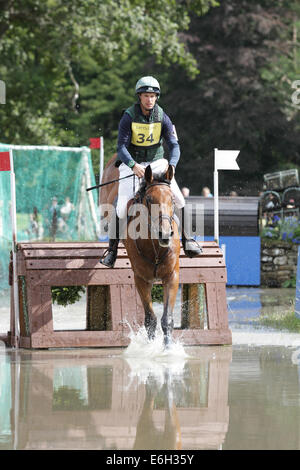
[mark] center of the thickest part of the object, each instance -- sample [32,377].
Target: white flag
[226,159]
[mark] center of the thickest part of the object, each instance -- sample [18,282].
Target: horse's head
[160,202]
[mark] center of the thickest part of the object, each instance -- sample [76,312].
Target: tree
[43,44]
[232,104]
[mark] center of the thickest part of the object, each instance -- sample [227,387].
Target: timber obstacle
[112,298]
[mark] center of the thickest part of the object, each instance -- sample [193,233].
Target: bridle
[152,228]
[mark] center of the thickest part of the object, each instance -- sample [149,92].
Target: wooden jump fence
[112,301]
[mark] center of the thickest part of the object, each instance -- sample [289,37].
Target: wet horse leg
[144,289]
[170,291]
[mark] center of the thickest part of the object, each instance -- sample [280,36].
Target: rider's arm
[124,138]
[171,140]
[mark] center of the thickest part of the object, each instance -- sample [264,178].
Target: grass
[287,321]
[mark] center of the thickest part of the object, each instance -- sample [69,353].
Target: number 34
[142,138]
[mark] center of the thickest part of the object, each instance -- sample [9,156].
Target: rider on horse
[142,129]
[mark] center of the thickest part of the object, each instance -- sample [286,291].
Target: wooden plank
[116,308]
[120,276]
[51,245]
[21,269]
[93,253]
[216,305]
[22,310]
[82,277]
[222,305]
[202,275]
[68,339]
[203,337]
[117,276]
[129,313]
[92,263]
[80,338]
[33,304]
[69,253]
[40,310]
[81,245]
[25,342]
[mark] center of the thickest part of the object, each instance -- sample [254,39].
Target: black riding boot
[109,257]
[190,246]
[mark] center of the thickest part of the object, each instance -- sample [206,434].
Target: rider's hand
[138,170]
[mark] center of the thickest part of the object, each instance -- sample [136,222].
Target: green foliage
[66,295]
[287,229]
[287,321]
[70,69]
[232,103]
[67,399]
[157,293]
[43,44]
[289,283]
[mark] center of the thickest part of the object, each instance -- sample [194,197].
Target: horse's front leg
[170,291]
[144,289]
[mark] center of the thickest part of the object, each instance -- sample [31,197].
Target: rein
[158,260]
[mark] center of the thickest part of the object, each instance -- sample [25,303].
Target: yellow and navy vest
[146,140]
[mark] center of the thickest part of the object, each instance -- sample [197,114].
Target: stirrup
[193,250]
[109,258]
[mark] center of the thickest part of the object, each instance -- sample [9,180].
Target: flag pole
[14,249]
[224,160]
[216,201]
[101,164]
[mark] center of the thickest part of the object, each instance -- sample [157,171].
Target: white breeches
[129,186]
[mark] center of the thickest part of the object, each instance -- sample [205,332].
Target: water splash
[151,360]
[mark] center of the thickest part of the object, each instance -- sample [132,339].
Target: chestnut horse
[156,256]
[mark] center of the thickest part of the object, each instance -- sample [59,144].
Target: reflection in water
[100,399]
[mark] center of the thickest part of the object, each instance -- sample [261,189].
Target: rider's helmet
[147,85]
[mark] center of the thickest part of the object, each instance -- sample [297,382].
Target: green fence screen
[51,198]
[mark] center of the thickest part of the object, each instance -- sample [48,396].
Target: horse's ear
[169,173]
[148,174]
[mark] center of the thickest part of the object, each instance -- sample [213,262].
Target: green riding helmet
[147,85]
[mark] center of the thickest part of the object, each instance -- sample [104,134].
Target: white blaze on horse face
[138,227]
[160,221]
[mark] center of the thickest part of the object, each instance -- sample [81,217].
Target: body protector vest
[146,141]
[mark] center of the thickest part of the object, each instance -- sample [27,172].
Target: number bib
[144,134]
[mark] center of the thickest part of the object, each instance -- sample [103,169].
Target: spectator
[291,204]
[185,192]
[66,209]
[54,215]
[233,194]
[33,229]
[206,192]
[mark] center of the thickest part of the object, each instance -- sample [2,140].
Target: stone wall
[278,262]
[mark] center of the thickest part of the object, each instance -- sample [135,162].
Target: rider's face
[147,101]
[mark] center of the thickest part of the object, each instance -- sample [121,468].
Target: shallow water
[244,396]
[209,398]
